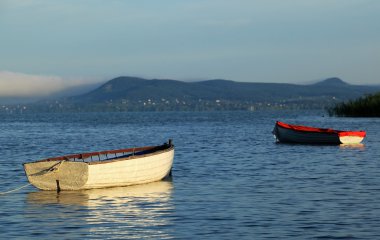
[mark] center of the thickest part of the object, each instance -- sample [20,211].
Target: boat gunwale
[71,157]
[121,158]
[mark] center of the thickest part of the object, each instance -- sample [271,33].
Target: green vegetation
[368,106]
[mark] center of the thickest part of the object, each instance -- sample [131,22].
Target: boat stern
[57,175]
[351,137]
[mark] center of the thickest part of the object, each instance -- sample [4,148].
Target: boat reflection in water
[140,211]
[353,146]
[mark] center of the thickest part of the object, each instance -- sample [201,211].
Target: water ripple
[231,180]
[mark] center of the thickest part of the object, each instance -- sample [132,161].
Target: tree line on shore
[366,106]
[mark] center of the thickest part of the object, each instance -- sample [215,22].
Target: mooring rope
[55,168]
[14,190]
[50,170]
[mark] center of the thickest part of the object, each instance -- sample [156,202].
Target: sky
[52,44]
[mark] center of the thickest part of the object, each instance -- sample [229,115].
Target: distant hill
[131,88]
[138,94]
[332,82]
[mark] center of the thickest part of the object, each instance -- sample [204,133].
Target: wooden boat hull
[59,174]
[288,133]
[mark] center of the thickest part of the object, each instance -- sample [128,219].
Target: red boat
[289,133]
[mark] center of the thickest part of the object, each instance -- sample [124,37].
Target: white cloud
[14,84]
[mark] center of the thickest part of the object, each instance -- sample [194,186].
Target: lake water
[230,179]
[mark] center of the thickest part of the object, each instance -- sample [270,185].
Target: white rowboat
[112,168]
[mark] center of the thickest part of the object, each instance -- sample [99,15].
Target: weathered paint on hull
[67,175]
[44,175]
[130,172]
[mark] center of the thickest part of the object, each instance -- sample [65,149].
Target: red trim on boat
[353,134]
[321,130]
[305,128]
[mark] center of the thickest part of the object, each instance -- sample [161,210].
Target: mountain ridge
[133,88]
[334,81]
[127,93]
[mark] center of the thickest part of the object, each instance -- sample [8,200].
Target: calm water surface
[230,179]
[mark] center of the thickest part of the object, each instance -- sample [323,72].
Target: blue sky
[61,43]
